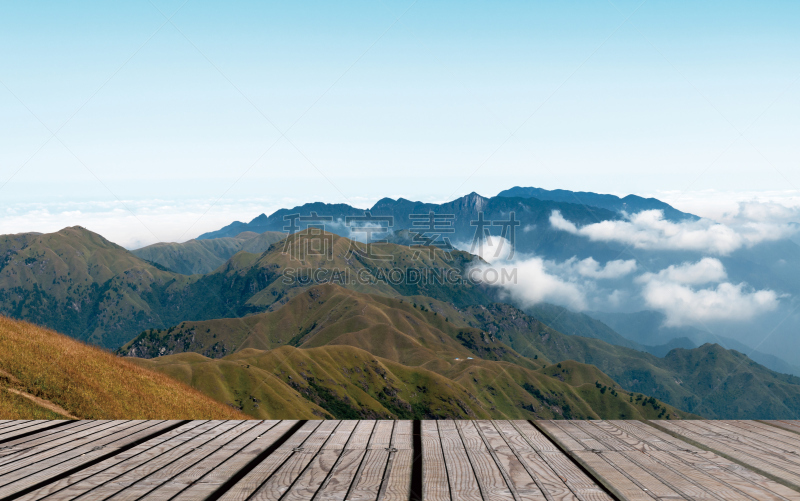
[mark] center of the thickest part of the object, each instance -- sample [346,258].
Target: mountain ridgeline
[423,334]
[314,325]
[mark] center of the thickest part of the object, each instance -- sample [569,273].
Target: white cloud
[727,302]
[704,271]
[670,291]
[535,284]
[132,223]
[649,230]
[611,270]
[491,250]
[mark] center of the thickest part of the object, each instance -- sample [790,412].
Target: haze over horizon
[190,115]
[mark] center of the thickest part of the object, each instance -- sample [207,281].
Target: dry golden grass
[88,382]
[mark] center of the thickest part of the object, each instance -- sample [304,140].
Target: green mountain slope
[79,283]
[349,383]
[46,375]
[205,256]
[709,380]
[398,329]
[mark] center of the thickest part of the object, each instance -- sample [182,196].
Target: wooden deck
[400,460]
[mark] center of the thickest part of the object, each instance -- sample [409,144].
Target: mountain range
[318,324]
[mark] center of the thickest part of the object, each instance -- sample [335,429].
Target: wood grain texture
[374,460]
[435,483]
[463,483]
[283,479]
[80,482]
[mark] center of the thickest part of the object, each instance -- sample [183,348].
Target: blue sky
[261,105]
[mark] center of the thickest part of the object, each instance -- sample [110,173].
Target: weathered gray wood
[16,428]
[78,483]
[266,433]
[288,473]
[22,447]
[398,483]
[52,452]
[169,470]
[435,483]
[373,460]
[241,436]
[256,477]
[85,453]
[761,462]
[487,471]
[367,483]
[463,483]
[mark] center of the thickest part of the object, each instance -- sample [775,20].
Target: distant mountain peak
[628,204]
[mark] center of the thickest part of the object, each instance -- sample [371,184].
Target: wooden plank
[619,435]
[16,428]
[784,425]
[773,432]
[132,483]
[267,433]
[168,469]
[563,438]
[463,483]
[723,467]
[382,435]
[611,441]
[76,484]
[89,451]
[16,425]
[698,476]
[288,473]
[774,439]
[576,433]
[16,443]
[24,447]
[360,436]
[115,467]
[314,475]
[622,484]
[258,475]
[667,476]
[550,484]
[487,471]
[435,484]
[767,466]
[403,435]
[341,435]
[522,483]
[715,479]
[319,474]
[582,485]
[653,438]
[52,451]
[341,477]
[398,484]
[368,478]
[536,438]
[366,485]
[247,433]
[753,440]
[744,443]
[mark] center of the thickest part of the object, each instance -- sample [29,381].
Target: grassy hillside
[205,256]
[411,336]
[422,332]
[45,375]
[346,382]
[398,329]
[78,283]
[709,380]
